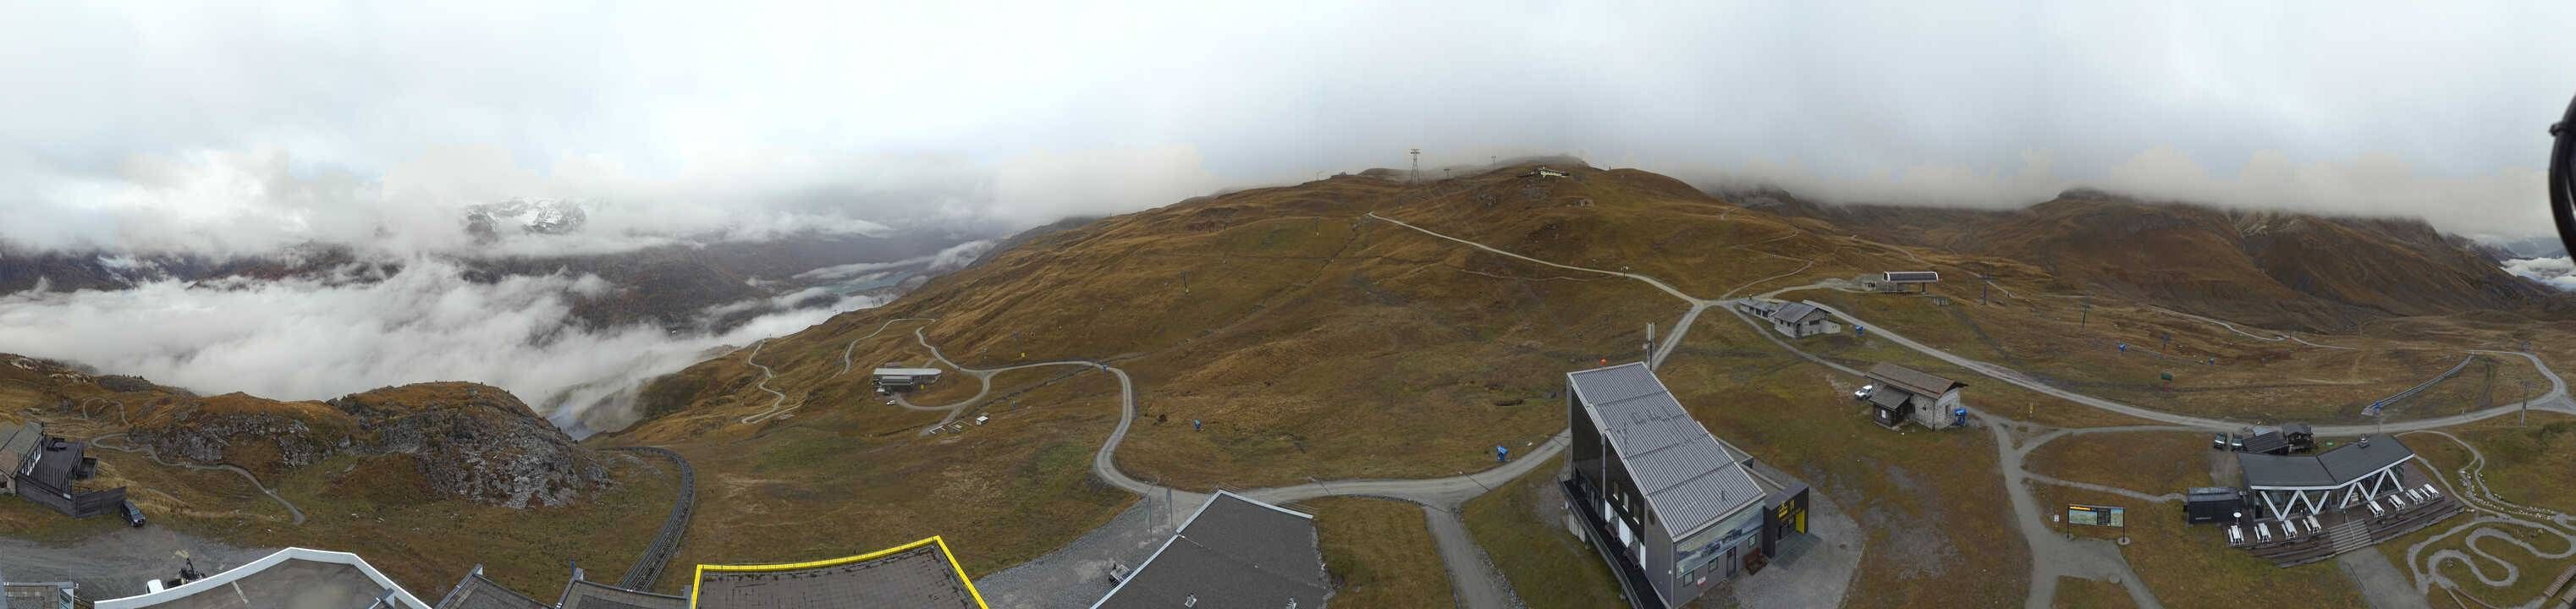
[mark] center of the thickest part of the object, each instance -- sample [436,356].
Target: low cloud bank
[255,202]
[319,338]
[2557,272]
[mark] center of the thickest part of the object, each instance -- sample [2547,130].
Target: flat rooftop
[920,574]
[582,594]
[54,467]
[1233,552]
[293,578]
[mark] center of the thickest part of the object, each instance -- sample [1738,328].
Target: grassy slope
[2526,465]
[2078,593]
[2269,381]
[1799,417]
[1379,553]
[844,478]
[1522,526]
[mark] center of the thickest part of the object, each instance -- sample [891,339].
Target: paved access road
[2554,401]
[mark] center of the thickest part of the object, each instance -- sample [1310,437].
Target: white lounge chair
[2235,536]
[2289,529]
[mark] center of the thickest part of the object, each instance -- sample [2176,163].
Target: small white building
[1898,394]
[1801,320]
[1543,172]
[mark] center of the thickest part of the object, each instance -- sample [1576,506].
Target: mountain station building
[1675,511]
[2287,486]
[904,379]
[1898,394]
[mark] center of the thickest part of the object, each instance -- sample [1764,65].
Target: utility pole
[1417,164]
[2526,405]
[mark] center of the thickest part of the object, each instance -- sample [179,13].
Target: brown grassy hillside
[1312,340]
[2267,268]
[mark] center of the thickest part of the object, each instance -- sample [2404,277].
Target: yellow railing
[695,584]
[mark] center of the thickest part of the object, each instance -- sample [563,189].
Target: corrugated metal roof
[2352,461]
[1689,477]
[2263,471]
[1912,381]
[2334,468]
[1795,312]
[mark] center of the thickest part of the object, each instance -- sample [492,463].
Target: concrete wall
[1938,416]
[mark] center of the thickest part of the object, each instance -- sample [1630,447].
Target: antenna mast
[1417,164]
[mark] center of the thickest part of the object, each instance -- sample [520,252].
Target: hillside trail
[296,514]
[2500,521]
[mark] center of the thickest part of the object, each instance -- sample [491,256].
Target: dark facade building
[2213,504]
[42,469]
[1674,510]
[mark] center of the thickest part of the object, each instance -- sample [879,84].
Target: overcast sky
[243,126]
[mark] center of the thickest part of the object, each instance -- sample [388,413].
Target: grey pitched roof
[1913,381]
[1689,478]
[1890,400]
[1795,312]
[2263,470]
[476,592]
[1235,552]
[582,594]
[2266,442]
[2358,459]
[2334,468]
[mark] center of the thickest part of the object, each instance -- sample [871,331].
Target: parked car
[1863,393]
[133,515]
[2218,441]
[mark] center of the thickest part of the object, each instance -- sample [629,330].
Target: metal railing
[649,567]
[2373,409]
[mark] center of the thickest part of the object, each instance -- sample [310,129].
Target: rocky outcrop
[469,441]
[477,442]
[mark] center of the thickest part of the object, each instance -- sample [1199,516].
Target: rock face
[469,441]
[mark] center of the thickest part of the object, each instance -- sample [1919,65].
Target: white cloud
[233,126]
[2557,272]
[315,339]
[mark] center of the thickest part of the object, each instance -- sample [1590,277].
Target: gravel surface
[115,564]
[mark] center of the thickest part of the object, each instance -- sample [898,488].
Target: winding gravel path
[2495,517]
[775,410]
[245,474]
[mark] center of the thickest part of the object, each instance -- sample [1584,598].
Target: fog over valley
[301,200]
